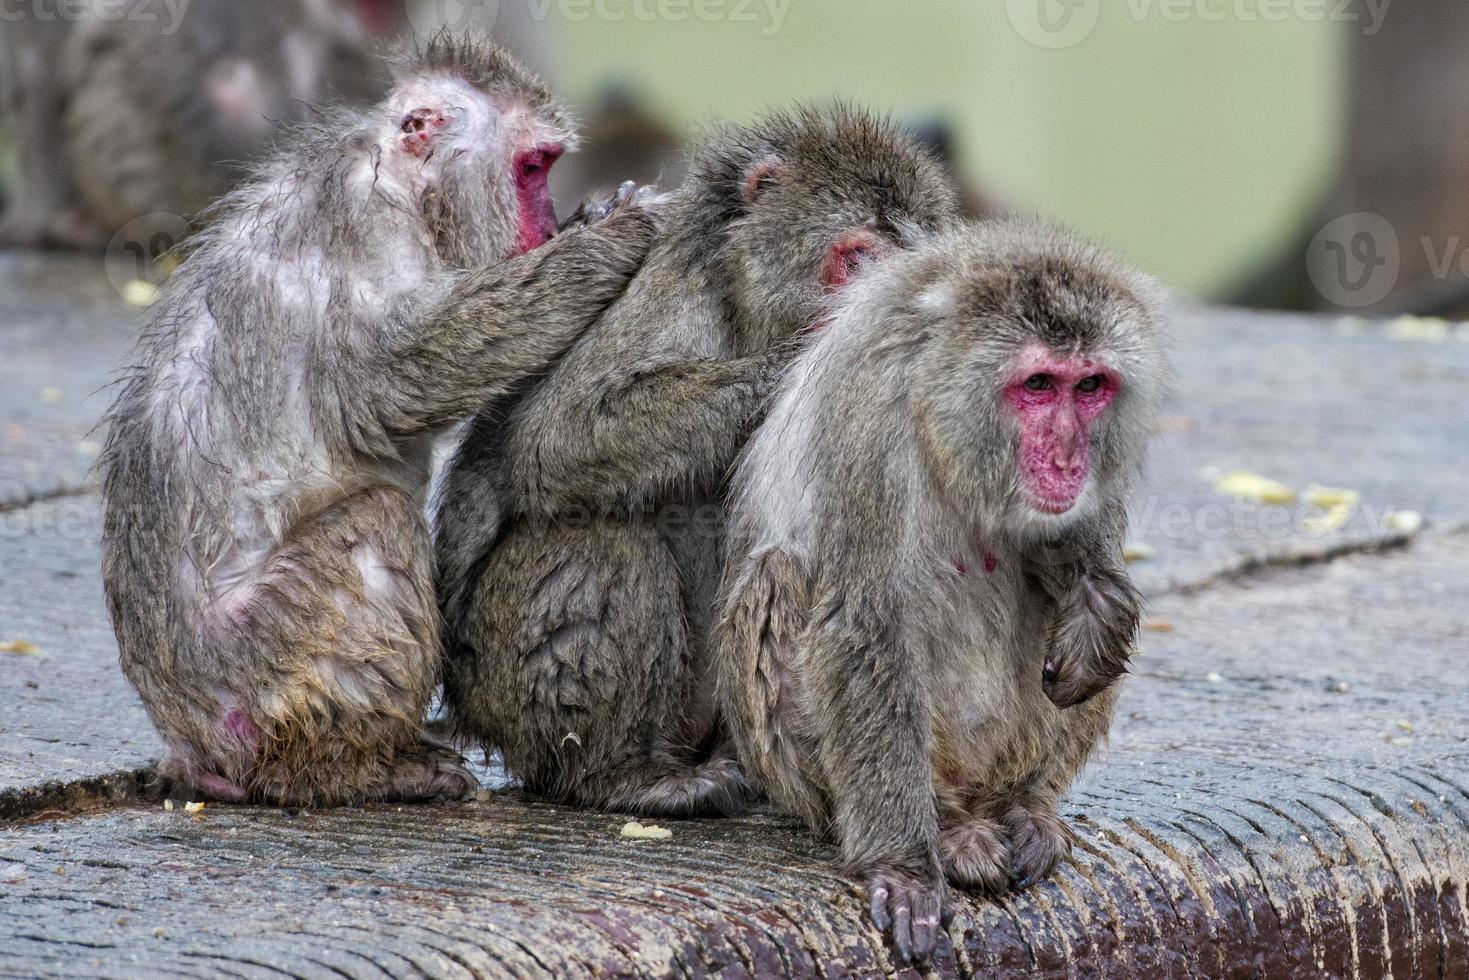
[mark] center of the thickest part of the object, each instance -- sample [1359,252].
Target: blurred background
[1290,154]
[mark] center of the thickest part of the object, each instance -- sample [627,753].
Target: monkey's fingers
[589,213]
[912,914]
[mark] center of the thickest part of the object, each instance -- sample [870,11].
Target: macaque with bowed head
[580,530]
[924,604]
[266,562]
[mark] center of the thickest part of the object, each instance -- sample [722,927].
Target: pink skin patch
[845,257]
[533,194]
[420,129]
[240,728]
[843,260]
[220,788]
[1056,398]
[990,564]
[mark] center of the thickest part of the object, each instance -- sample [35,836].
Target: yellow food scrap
[636,831]
[1420,328]
[1158,626]
[1253,486]
[21,647]
[193,807]
[1329,497]
[1332,519]
[140,292]
[1137,552]
[1406,521]
[168,806]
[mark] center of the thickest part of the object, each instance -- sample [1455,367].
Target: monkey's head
[1038,378]
[471,135]
[800,201]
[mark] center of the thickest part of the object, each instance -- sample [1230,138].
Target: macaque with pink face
[265,556]
[925,603]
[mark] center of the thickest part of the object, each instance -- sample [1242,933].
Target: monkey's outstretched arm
[875,752]
[497,326]
[628,434]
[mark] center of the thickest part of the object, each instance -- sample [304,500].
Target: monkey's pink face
[1056,400]
[536,218]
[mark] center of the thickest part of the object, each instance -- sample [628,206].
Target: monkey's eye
[1038,382]
[1089,385]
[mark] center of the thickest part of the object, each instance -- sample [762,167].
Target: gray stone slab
[68,713]
[63,332]
[1301,401]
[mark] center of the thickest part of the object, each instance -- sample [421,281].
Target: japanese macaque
[266,562]
[579,534]
[925,562]
[115,117]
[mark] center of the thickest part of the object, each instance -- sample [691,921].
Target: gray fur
[266,564]
[579,536]
[881,679]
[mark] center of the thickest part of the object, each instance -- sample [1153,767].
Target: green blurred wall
[1193,147]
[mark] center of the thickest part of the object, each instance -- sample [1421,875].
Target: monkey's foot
[913,912]
[1038,842]
[975,856]
[717,787]
[431,772]
[219,788]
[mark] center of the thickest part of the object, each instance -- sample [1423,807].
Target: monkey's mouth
[1051,505]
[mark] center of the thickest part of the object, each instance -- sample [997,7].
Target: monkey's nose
[1050,672]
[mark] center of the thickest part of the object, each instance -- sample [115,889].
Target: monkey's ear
[762,175]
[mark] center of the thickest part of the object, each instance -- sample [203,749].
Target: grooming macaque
[924,546]
[267,566]
[114,117]
[579,533]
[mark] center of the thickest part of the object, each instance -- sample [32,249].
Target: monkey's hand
[501,324]
[596,210]
[911,909]
[1090,639]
